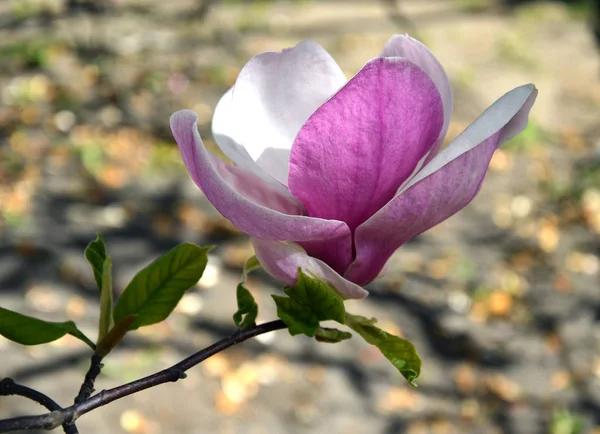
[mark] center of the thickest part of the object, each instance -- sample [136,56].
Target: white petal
[227,138]
[273,96]
[225,133]
[276,162]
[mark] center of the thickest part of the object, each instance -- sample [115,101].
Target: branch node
[177,374]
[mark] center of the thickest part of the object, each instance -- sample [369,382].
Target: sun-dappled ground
[502,300]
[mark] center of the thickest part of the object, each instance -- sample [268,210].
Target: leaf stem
[60,416]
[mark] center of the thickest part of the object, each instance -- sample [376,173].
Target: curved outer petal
[251,204]
[447,184]
[272,98]
[282,260]
[354,152]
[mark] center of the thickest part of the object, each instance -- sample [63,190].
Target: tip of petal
[184,116]
[402,36]
[526,88]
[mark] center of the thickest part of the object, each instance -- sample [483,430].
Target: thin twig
[176,372]
[9,387]
[87,388]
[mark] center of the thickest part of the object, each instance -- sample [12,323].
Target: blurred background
[502,300]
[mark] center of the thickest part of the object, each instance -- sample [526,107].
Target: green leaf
[115,335]
[101,264]
[250,265]
[331,336]
[155,291]
[27,330]
[321,298]
[95,253]
[245,317]
[310,301]
[399,351]
[299,318]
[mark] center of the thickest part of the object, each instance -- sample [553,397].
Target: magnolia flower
[332,176]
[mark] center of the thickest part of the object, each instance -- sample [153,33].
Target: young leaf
[323,300]
[249,266]
[331,336]
[115,335]
[27,330]
[245,317]
[155,291]
[400,352]
[95,253]
[299,318]
[106,301]
[101,264]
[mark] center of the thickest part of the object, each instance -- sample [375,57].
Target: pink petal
[355,151]
[282,260]
[446,185]
[272,98]
[337,253]
[250,203]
